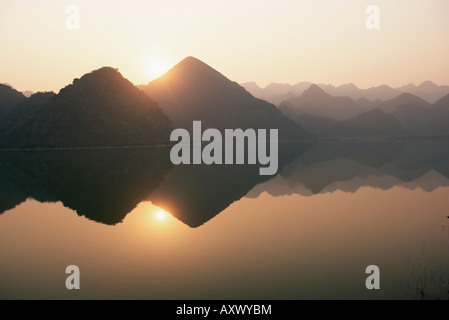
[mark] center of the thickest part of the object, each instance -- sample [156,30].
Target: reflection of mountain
[349,165]
[197,193]
[105,185]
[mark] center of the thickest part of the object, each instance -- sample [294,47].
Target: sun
[156,67]
[161,215]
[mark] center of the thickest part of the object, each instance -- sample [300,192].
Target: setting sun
[161,215]
[156,67]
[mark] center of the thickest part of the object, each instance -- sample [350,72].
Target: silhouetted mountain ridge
[9,98]
[102,108]
[26,110]
[192,90]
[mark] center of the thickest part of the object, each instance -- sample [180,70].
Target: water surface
[139,227]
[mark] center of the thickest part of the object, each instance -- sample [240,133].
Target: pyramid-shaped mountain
[102,108]
[192,90]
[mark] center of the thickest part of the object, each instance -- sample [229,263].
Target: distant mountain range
[373,123]
[404,115]
[315,101]
[102,108]
[278,92]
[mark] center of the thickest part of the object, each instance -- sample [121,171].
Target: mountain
[316,102]
[9,98]
[26,110]
[418,116]
[428,90]
[442,105]
[274,93]
[28,93]
[254,89]
[102,108]
[440,116]
[368,104]
[192,90]
[404,99]
[405,114]
[373,123]
[382,92]
[347,90]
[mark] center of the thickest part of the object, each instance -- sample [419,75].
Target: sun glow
[161,215]
[156,67]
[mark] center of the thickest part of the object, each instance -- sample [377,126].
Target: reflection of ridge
[11,195]
[105,185]
[196,193]
[347,166]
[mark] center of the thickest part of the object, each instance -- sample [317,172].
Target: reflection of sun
[156,67]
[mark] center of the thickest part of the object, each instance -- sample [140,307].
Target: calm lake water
[141,228]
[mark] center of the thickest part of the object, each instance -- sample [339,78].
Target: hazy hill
[419,117]
[404,99]
[440,116]
[374,123]
[405,114]
[366,104]
[102,108]
[192,90]
[427,90]
[314,101]
[9,98]
[441,105]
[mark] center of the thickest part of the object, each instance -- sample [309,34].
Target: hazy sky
[323,41]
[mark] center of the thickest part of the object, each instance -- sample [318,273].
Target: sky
[286,41]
